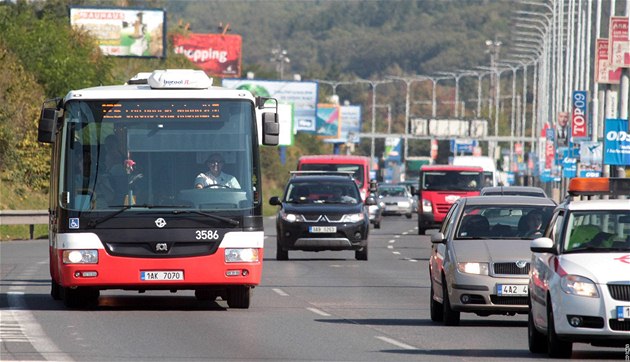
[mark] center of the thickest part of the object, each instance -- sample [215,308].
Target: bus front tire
[239,297]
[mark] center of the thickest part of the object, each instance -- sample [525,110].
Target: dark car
[322,211]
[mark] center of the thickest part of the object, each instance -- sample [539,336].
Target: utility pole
[373,84]
[408,81]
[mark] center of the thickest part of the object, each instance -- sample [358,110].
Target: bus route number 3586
[206,234]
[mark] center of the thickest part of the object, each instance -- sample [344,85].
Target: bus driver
[215,175]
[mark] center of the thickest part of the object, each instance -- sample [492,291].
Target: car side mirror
[438,238]
[542,245]
[275,201]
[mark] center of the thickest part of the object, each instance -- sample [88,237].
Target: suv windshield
[322,191]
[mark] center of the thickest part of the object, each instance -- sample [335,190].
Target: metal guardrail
[24,217]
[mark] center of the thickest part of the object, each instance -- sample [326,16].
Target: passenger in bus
[215,175]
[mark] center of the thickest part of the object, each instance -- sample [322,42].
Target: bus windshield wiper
[124,208]
[215,217]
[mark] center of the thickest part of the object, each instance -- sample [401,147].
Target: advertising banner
[604,73]
[616,142]
[327,120]
[393,149]
[303,96]
[217,54]
[619,46]
[350,123]
[579,124]
[285,121]
[562,129]
[123,32]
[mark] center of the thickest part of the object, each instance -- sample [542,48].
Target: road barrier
[24,217]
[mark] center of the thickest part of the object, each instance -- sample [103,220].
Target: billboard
[303,96]
[447,128]
[579,123]
[604,73]
[619,45]
[218,55]
[350,120]
[616,142]
[123,32]
[327,120]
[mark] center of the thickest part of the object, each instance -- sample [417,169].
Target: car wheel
[436,308]
[555,347]
[408,216]
[239,297]
[377,225]
[361,254]
[281,254]
[536,340]
[450,317]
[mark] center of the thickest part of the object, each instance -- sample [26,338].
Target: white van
[487,163]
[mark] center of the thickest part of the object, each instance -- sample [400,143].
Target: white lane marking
[32,330]
[396,343]
[320,312]
[396,252]
[390,246]
[413,260]
[397,236]
[405,233]
[280,292]
[391,241]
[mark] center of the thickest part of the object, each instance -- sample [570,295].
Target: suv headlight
[473,268]
[291,217]
[352,217]
[578,285]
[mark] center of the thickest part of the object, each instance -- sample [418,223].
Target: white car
[579,285]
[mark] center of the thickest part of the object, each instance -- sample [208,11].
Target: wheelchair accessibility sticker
[74,223]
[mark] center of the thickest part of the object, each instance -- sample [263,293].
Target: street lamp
[389,116]
[280,56]
[333,84]
[457,77]
[408,81]
[373,84]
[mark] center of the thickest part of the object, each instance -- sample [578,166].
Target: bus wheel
[80,297]
[55,290]
[239,297]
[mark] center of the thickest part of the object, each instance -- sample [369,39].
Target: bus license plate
[623,312]
[162,275]
[512,289]
[322,229]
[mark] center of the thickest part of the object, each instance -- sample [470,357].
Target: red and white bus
[124,209]
[358,165]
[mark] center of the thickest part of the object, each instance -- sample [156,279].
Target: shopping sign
[616,142]
[218,55]
[579,126]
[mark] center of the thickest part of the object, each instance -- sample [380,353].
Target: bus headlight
[80,256]
[247,255]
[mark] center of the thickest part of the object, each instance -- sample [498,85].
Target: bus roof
[450,168]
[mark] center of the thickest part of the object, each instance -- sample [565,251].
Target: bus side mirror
[271,129]
[47,125]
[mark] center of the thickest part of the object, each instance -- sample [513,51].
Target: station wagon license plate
[162,275]
[512,289]
[322,229]
[623,312]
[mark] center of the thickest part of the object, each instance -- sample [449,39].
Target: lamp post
[434,80]
[373,84]
[408,81]
[333,84]
[280,56]
[457,77]
[389,116]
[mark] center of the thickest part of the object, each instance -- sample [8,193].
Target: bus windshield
[451,181]
[357,170]
[180,153]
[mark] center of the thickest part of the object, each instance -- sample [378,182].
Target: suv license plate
[322,229]
[512,289]
[623,312]
[162,275]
